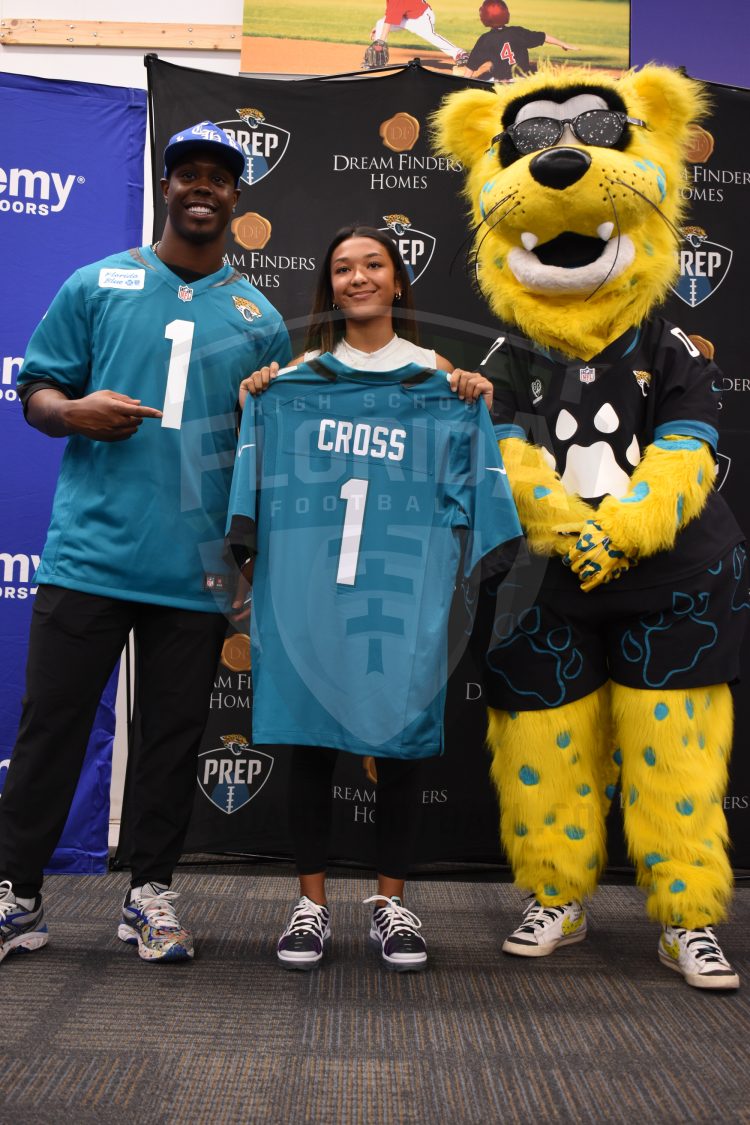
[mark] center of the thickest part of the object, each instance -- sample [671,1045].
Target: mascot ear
[466,123]
[667,100]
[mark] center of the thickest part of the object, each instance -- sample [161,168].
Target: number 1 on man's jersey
[180,332]
[354,491]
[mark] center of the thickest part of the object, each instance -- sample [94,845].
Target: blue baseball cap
[210,137]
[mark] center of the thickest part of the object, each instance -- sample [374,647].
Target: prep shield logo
[232,774]
[703,266]
[262,143]
[416,247]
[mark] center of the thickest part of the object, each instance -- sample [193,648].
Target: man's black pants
[74,644]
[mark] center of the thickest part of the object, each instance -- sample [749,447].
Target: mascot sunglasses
[602,127]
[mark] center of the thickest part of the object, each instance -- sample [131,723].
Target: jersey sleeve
[482,495]
[275,346]
[688,397]
[532,38]
[481,52]
[59,351]
[395,11]
[241,531]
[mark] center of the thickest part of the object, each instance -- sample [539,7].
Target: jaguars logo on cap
[247,309]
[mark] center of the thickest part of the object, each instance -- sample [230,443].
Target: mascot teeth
[605,231]
[529,240]
[617,255]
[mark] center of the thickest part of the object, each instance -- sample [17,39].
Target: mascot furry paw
[619,661]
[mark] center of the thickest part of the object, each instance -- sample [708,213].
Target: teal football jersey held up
[143,519]
[368,497]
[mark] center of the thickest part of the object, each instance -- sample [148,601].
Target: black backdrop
[329,152]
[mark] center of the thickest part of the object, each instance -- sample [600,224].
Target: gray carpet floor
[599,1032]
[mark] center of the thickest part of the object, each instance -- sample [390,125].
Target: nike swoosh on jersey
[251,445]
[493,469]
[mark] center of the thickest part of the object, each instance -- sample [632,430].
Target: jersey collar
[412,374]
[175,281]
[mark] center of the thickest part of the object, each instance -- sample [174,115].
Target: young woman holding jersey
[363,294]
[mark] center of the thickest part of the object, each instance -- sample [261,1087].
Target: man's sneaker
[461,59]
[149,919]
[21,930]
[302,943]
[544,928]
[394,932]
[698,956]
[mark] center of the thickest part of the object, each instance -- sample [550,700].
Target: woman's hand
[469,385]
[258,382]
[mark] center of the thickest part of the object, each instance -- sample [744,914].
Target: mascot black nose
[559,167]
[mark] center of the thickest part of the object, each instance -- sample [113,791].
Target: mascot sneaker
[302,943]
[698,956]
[544,928]
[394,932]
[149,920]
[21,930]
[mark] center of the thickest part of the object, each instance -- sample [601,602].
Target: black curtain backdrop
[325,153]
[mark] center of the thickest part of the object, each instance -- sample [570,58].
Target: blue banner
[71,191]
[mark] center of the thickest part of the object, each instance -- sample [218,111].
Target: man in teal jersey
[138,364]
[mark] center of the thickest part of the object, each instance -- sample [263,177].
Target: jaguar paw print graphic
[599,455]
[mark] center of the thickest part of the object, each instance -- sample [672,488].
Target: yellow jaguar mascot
[613,654]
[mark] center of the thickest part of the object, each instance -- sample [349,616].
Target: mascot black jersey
[595,418]
[143,519]
[367,496]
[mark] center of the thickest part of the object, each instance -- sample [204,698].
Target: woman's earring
[397,296]
[334,305]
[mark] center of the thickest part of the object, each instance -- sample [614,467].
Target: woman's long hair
[327,325]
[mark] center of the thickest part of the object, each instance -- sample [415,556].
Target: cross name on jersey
[362,439]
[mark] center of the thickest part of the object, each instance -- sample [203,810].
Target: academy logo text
[17,575]
[24,192]
[10,365]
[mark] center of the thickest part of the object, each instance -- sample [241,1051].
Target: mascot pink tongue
[606,418]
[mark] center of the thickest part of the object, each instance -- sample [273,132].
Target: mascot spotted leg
[620,656]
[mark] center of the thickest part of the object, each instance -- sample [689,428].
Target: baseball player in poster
[417,17]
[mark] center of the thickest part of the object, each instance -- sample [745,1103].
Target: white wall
[117,67]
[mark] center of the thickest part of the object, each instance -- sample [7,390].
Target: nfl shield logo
[185,293]
[587,374]
[232,774]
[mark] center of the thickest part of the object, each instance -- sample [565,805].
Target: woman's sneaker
[698,956]
[149,920]
[545,928]
[21,930]
[302,943]
[394,931]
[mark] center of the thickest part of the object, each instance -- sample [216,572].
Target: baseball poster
[493,41]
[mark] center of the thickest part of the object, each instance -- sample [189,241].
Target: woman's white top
[396,353]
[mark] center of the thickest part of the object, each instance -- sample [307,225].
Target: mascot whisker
[618,666]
